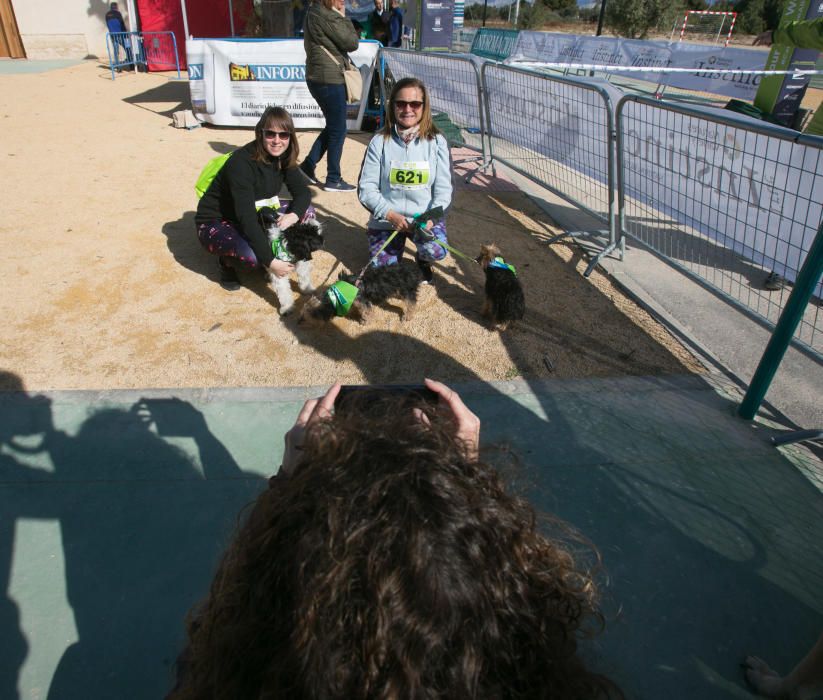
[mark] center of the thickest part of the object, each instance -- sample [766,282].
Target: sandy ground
[105,285]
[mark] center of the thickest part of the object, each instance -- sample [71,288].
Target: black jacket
[239,184]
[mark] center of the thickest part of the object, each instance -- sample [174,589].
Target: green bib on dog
[342,296]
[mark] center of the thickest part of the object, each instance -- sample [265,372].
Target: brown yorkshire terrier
[504,302]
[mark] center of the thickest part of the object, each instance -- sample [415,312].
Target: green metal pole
[784,330]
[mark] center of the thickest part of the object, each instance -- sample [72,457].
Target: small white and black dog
[294,245]
[378,284]
[505,302]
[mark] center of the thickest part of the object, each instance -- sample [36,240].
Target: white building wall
[64,28]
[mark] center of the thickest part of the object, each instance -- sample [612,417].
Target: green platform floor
[114,509]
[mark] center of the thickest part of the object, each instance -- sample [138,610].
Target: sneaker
[340,186]
[228,276]
[426,269]
[308,171]
[774,282]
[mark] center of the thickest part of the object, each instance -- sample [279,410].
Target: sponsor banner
[781,95]
[459,13]
[496,44]
[232,81]
[732,185]
[436,24]
[715,68]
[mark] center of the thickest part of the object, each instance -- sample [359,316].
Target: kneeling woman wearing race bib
[406,172]
[227,223]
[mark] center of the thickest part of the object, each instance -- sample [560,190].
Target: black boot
[228,275]
[426,269]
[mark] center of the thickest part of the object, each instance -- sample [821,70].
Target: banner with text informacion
[232,81]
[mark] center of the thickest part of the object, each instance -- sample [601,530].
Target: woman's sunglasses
[269,134]
[414,104]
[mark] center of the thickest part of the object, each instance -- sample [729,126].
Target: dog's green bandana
[280,251]
[503,265]
[342,296]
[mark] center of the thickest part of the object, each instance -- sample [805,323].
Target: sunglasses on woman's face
[282,135]
[414,104]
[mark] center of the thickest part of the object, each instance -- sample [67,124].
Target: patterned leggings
[222,238]
[428,247]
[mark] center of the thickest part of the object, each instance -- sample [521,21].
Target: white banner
[716,70]
[232,81]
[758,195]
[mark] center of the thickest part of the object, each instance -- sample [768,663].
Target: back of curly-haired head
[391,566]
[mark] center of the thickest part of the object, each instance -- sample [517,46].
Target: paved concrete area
[115,506]
[12,66]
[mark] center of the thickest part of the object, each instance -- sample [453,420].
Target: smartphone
[363,392]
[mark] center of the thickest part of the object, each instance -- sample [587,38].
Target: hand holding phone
[313,410]
[466,423]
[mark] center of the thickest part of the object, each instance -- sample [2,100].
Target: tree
[561,7]
[532,16]
[750,16]
[634,18]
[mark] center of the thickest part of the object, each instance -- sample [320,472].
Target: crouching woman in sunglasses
[252,177]
[406,172]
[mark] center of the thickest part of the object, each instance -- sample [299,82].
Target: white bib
[412,175]
[273,202]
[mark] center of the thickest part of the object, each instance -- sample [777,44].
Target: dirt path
[105,285]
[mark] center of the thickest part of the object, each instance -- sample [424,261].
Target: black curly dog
[377,285]
[505,302]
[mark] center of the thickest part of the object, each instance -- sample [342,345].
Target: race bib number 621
[409,175]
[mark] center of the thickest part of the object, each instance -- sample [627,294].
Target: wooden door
[10,44]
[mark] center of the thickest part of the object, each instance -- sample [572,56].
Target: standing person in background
[328,37]
[298,9]
[395,24]
[379,18]
[117,25]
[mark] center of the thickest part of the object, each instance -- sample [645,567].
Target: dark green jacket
[326,28]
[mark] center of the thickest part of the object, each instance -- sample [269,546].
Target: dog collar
[342,295]
[503,265]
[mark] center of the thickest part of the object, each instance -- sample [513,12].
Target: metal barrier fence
[453,84]
[734,204]
[558,132]
[157,50]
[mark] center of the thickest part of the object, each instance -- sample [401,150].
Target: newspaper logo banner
[241,77]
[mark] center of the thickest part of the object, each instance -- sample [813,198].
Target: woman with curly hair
[387,561]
